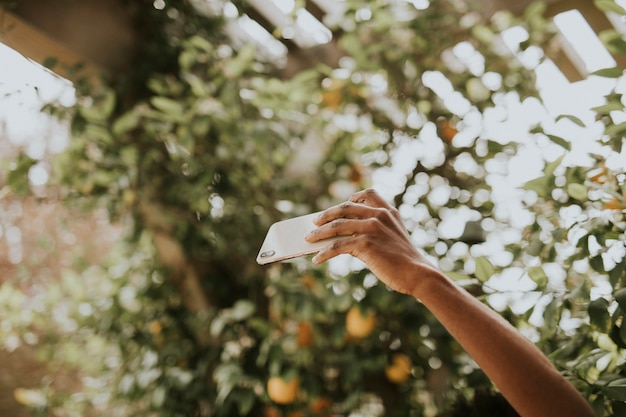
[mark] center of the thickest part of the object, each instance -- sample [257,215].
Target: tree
[194,152]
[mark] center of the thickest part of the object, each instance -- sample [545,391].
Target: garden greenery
[203,145]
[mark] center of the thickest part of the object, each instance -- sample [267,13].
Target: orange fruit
[400,368]
[272,412]
[155,327]
[320,406]
[447,131]
[282,391]
[332,99]
[332,94]
[359,325]
[305,334]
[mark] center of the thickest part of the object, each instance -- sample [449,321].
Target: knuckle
[387,215]
[356,195]
[373,221]
[369,192]
[381,215]
[336,245]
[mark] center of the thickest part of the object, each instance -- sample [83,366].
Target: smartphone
[285,240]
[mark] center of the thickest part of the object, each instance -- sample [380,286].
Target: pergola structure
[100,34]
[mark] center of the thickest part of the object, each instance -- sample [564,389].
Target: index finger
[346,210]
[361,205]
[371,198]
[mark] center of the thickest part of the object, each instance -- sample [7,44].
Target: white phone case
[285,240]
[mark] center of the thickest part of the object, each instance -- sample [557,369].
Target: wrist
[427,279]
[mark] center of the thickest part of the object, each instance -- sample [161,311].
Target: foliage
[195,150]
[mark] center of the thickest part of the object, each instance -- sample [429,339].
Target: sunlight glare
[584,41]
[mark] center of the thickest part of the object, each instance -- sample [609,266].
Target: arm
[376,235]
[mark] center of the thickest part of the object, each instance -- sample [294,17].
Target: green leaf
[201,44]
[619,408]
[92,114]
[457,276]
[551,314]
[98,133]
[609,107]
[597,263]
[598,405]
[577,191]
[125,123]
[536,9]
[17,176]
[539,185]
[571,118]
[620,297]
[552,166]
[615,389]
[542,184]
[615,72]
[245,401]
[618,333]
[538,275]
[483,33]
[560,141]
[616,130]
[235,67]
[243,309]
[613,41]
[622,333]
[599,315]
[226,372]
[168,106]
[617,273]
[484,268]
[198,86]
[610,6]
[108,104]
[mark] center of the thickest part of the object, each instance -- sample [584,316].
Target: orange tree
[202,146]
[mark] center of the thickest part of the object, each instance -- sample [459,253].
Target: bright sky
[24,87]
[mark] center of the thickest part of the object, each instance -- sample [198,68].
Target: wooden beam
[26,39]
[596,18]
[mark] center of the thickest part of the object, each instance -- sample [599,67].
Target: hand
[374,233]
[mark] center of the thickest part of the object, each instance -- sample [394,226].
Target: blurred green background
[130,219]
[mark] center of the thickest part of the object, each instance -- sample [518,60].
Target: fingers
[359,206]
[369,197]
[339,227]
[364,216]
[347,210]
[337,247]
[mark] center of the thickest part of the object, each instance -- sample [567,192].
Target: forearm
[519,370]
[374,232]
